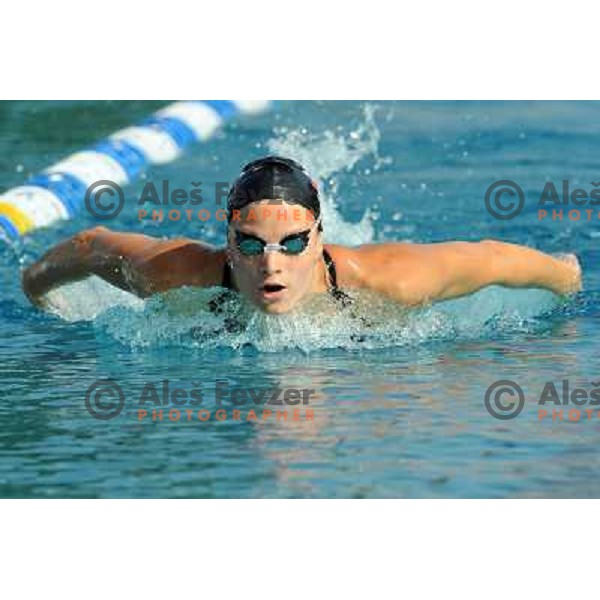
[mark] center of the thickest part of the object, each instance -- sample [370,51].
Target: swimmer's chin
[284,307]
[275,308]
[281,306]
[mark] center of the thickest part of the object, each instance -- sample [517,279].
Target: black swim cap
[274,178]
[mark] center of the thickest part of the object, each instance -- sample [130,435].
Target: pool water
[397,406]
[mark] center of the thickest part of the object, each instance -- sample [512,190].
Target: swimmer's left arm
[420,273]
[491,262]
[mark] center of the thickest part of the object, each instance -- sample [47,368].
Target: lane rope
[57,193]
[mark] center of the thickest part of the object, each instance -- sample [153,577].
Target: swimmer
[275,256]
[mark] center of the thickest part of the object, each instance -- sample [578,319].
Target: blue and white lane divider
[58,192]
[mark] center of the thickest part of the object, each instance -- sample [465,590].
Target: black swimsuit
[334,290]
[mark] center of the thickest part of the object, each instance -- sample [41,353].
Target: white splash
[84,300]
[326,155]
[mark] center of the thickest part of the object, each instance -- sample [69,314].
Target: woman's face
[273,281]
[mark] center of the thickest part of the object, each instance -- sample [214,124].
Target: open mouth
[271,288]
[272,291]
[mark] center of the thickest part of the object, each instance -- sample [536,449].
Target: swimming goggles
[294,244]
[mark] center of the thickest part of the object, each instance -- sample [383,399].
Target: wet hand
[572,272]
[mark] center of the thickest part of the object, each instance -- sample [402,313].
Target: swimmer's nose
[271,263]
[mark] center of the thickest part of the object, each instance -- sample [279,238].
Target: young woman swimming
[275,256]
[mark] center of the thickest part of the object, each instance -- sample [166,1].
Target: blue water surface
[398,407]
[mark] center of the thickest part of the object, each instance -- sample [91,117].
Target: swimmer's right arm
[136,263]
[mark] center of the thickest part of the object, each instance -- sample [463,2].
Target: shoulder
[176,262]
[359,266]
[191,262]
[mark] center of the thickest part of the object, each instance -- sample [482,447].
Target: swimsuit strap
[216,304]
[330,269]
[334,289]
[226,282]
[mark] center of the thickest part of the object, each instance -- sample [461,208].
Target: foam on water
[182,317]
[86,299]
